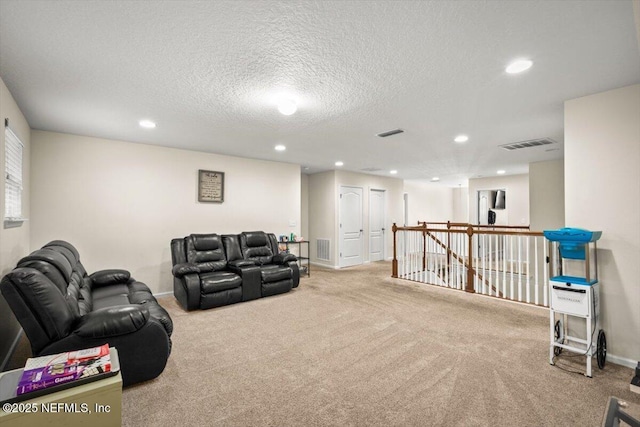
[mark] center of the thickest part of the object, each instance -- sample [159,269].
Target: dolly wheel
[601,351]
[557,336]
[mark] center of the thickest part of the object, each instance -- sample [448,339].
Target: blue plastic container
[572,241]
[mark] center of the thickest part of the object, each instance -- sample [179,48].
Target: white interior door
[376,225]
[483,208]
[351,233]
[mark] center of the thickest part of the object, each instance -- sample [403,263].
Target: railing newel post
[470,260]
[394,263]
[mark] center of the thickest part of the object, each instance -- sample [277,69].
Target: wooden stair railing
[466,263]
[469,230]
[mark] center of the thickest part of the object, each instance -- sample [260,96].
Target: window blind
[13,175]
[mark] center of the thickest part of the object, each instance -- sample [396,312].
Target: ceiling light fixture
[461,138]
[435,179]
[501,172]
[287,106]
[280,147]
[518,66]
[148,124]
[339,163]
[393,172]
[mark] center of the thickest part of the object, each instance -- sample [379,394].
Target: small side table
[621,412]
[303,261]
[98,404]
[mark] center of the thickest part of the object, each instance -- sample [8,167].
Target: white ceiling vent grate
[528,144]
[389,133]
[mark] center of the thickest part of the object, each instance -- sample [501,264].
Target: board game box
[53,370]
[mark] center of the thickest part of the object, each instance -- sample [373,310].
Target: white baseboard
[12,349]
[162,294]
[622,361]
[335,267]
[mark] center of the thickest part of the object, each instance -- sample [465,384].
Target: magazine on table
[56,369]
[9,380]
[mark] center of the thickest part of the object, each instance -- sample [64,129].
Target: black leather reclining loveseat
[212,270]
[61,308]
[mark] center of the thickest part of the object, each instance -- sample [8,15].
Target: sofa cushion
[50,263]
[218,299]
[275,288]
[110,296]
[205,242]
[256,238]
[275,273]
[217,281]
[206,252]
[256,247]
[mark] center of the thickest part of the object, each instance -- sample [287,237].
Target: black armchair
[201,278]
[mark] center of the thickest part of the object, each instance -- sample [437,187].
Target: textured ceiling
[208,72]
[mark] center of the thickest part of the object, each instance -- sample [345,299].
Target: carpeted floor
[354,347]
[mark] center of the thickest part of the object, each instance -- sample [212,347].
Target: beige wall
[304,206]
[324,189]
[602,192]
[14,242]
[460,205]
[393,200]
[322,214]
[546,195]
[121,203]
[428,202]
[517,190]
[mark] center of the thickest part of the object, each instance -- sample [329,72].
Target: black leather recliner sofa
[62,308]
[212,270]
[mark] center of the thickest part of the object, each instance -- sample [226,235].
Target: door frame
[384,222]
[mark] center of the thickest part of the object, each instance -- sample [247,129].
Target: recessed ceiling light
[393,172]
[461,138]
[339,163]
[435,179]
[287,106]
[147,124]
[501,172]
[280,147]
[519,66]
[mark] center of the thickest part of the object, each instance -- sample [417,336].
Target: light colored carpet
[355,347]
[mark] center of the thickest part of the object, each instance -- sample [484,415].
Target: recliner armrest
[110,277]
[112,321]
[284,257]
[180,270]
[239,263]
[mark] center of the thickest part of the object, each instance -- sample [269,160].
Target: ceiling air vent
[371,170]
[389,133]
[528,144]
